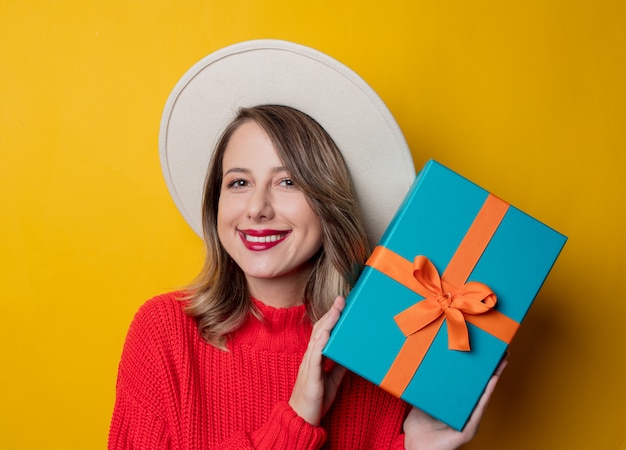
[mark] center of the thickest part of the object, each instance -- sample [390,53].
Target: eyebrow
[277,169]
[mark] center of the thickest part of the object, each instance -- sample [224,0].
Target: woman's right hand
[315,389]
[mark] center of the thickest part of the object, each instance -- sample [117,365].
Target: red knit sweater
[176,391]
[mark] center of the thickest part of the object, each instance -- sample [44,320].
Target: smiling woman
[236,360]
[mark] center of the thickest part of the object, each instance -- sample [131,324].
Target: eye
[287,182]
[237,183]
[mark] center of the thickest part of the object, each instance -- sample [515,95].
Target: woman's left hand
[422,431]
[315,389]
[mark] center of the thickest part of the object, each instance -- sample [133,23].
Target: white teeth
[264,239]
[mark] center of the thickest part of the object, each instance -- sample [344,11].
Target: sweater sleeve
[283,429]
[137,421]
[135,427]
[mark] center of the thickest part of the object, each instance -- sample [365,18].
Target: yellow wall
[525,97]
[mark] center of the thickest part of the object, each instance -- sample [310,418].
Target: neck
[282,292]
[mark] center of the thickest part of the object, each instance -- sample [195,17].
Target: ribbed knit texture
[176,391]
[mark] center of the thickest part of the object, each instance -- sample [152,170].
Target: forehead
[251,146]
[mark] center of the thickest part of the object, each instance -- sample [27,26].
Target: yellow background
[525,97]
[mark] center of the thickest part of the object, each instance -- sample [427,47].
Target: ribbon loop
[425,272]
[453,303]
[418,316]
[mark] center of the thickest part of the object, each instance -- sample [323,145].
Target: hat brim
[258,72]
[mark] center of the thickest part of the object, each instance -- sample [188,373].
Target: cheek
[225,210]
[315,229]
[224,218]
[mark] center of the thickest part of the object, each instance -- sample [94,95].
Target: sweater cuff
[286,429]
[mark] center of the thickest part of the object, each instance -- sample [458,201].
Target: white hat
[252,73]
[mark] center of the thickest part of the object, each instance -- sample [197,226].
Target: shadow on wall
[542,350]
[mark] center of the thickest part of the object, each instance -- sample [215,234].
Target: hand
[315,389]
[423,432]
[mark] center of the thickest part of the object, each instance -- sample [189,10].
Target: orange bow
[442,298]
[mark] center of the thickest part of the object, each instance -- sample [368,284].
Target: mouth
[258,240]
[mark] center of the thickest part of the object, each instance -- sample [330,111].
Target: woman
[235,361]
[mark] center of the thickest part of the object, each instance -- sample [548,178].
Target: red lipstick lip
[268,232]
[259,244]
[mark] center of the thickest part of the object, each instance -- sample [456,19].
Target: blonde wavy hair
[219,298]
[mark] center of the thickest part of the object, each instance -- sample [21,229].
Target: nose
[260,205]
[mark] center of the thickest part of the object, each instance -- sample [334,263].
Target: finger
[475,418]
[320,334]
[484,400]
[328,321]
[334,313]
[312,359]
[502,365]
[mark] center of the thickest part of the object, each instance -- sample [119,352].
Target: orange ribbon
[442,298]
[448,297]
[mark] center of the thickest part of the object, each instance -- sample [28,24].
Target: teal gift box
[443,294]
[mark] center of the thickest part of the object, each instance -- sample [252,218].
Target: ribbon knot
[445,300]
[441,298]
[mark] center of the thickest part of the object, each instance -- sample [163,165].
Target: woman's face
[264,221]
